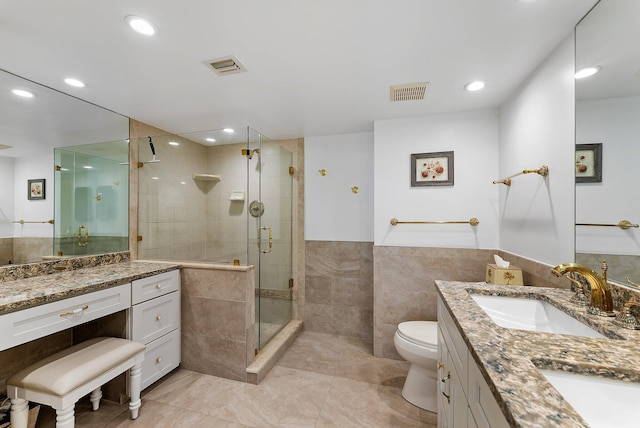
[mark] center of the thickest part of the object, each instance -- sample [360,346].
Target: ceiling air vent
[226,65]
[411,92]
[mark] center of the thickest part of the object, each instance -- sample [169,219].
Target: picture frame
[432,169]
[36,189]
[589,163]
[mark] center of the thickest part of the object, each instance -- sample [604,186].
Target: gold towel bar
[39,222]
[543,171]
[623,224]
[473,222]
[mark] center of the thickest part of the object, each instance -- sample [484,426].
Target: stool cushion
[68,369]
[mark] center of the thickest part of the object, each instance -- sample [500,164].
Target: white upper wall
[29,168]
[6,197]
[537,128]
[473,137]
[333,212]
[614,123]
[534,218]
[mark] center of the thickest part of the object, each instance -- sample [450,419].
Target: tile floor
[322,381]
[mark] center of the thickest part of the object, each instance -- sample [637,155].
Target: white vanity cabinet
[155,321]
[33,323]
[464,398]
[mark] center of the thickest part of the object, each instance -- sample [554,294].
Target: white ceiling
[315,67]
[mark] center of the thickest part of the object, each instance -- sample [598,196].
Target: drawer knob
[158,286]
[158,360]
[75,311]
[158,317]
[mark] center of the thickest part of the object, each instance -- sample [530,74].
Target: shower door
[269,230]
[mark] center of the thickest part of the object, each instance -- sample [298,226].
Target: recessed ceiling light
[140,25]
[228,130]
[474,86]
[211,140]
[588,71]
[22,93]
[74,82]
[174,143]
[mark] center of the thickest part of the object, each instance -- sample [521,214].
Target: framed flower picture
[589,163]
[432,169]
[35,189]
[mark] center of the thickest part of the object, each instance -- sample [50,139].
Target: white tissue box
[504,275]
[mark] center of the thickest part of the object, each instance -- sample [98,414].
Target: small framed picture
[589,163]
[432,169]
[36,189]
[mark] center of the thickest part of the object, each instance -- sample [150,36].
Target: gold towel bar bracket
[542,171]
[472,221]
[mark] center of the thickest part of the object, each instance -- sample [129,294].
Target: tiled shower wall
[181,218]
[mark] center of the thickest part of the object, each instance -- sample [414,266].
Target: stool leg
[95,397]
[65,418]
[135,379]
[19,413]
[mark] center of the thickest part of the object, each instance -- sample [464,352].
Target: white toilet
[417,342]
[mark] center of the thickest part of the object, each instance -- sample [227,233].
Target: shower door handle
[270,240]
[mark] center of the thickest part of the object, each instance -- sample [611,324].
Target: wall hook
[355,189]
[323,172]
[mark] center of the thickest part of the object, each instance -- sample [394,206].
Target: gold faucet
[601,302]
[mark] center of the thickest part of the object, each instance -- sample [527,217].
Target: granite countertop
[38,290]
[509,359]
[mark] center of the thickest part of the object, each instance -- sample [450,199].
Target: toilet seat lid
[423,333]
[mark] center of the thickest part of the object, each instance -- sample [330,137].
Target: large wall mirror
[607,138]
[41,215]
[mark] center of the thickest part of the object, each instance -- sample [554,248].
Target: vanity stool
[62,379]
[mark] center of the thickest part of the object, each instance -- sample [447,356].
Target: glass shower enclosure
[269,195]
[221,198]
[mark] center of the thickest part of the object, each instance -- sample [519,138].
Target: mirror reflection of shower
[91,199]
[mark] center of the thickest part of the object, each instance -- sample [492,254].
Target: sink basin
[532,315]
[601,402]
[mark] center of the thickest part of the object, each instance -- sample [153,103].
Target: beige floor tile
[196,392]
[160,415]
[342,356]
[323,380]
[286,397]
[360,404]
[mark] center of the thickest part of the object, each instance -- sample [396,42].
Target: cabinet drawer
[155,317]
[29,324]
[154,286]
[162,356]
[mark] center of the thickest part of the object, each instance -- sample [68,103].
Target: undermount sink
[532,315]
[601,402]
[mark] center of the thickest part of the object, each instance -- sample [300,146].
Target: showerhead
[153,151]
[249,153]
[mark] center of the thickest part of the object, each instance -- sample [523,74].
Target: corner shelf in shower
[205,177]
